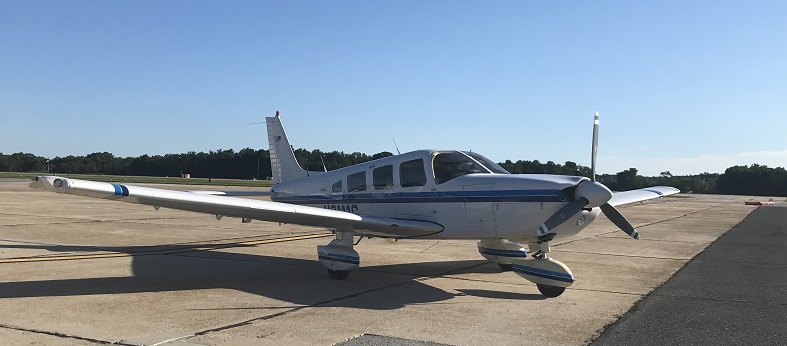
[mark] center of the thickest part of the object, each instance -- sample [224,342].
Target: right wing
[221,205]
[633,196]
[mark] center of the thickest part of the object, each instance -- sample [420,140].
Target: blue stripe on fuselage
[429,197]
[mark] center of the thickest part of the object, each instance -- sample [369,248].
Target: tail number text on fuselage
[350,208]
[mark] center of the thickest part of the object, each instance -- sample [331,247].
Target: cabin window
[451,164]
[356,182]
[337,187]
[411,173]
[383,177]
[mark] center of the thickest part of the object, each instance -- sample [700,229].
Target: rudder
[284,166]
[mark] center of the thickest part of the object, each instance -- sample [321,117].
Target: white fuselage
[469,206]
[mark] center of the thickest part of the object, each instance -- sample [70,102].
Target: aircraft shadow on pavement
[299,281]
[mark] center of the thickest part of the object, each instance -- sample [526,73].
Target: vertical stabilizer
[284,166]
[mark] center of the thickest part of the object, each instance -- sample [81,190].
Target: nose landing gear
[338,256]
[550,276]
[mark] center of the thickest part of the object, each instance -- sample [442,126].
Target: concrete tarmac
[83,271]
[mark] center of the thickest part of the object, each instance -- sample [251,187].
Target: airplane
[423,194]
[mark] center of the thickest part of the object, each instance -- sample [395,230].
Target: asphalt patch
[733,293]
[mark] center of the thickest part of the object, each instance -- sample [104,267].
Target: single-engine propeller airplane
[424,194]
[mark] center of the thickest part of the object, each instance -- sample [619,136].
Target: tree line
[244,164]
[756,180]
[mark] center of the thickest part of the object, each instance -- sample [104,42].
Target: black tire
[506,267]
[338,274]
[550,291]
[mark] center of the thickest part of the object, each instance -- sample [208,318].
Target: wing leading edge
[239,207]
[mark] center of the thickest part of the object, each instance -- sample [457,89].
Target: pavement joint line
[635,256]
[63,335]
[668,240]
[183,243]
[606,291]
[99,248]
[191,254]
[750,262]
[484,281]
[516,284]
[719,300]
[162,252]
[328,301]
[239,238]
[76,221]
[639,226]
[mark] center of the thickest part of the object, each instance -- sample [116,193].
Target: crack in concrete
[64,335]
[635,256]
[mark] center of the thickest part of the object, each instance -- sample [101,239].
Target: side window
[356,182]
[411,173]
[383,177]
[337,187]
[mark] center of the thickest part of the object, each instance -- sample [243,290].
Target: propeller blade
[566,212]
[619,220]
[595,147]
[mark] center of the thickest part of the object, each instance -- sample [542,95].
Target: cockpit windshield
[489,164]
[448,165]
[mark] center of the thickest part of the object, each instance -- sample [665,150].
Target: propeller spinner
[589,194]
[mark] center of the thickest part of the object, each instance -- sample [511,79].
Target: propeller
[589,194]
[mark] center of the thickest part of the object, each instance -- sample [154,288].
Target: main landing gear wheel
[342,274]
[506,267]
[550,291]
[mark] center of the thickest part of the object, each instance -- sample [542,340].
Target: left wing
[633,196]
[221,205]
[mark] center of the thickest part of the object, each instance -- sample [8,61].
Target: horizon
[639,171]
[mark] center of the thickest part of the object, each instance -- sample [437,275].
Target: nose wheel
[338,274]
[550,291]
[338,256]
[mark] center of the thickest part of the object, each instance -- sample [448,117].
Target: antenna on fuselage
[324,169]
[396,146]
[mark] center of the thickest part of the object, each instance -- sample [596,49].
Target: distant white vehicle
[424,194]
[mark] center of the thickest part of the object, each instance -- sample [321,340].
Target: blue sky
[681,86]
